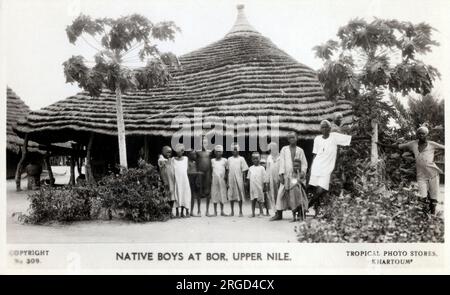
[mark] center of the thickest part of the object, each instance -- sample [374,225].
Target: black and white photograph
[225,123]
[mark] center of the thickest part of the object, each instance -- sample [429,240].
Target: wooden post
[146,149]
[20,164]
[49,167]
[78,164]
[72,169]
[374,146]
[89,174]
[121,130]
[76,153]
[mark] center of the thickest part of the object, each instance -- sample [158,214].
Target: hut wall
[105,153]
[154,148]
[11,164]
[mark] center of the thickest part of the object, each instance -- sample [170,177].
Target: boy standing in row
[258,180]
[219,180]
[167,176]
[237,170]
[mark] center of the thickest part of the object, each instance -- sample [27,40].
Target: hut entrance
[105,155]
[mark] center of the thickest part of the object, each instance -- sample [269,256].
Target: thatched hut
[243,74]
[16,109]
[22,152]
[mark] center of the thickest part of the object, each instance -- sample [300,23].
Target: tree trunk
[20,164]
[374,146]
[89,174]
[121,130]
[49,168]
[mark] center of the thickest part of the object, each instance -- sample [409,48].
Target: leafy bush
[61,204]
[374,218]
[370,213]
[136,195]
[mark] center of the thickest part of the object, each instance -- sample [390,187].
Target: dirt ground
[193,229]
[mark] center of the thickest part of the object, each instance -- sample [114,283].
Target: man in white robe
[325,152]
[287,156]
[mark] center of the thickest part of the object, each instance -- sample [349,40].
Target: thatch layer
[243,74]
[16,110]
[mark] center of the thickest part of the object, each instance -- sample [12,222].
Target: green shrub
[137,195]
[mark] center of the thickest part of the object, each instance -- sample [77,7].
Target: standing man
[324,150]
[426,169]
[288,154]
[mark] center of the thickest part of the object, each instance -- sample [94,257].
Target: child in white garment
[237,170]
[219,180]
[257,178]
[182,189]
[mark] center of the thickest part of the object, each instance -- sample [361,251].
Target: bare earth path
[193,229]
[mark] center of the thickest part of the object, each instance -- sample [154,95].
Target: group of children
[200,174]
[279,183]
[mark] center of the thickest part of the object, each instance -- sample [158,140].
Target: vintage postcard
[211,137]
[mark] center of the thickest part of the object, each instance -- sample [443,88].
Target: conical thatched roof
[243,74]
[16,109]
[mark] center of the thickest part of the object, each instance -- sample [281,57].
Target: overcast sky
[37,45]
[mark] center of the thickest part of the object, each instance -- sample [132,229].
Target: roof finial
[242,26]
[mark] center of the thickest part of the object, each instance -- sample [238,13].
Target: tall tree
[426,109]
[372,59]
[421,110]
[115,41]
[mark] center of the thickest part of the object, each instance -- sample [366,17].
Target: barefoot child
[298,200]
[237,170]
[182,190]
[204,166]
[167,177]
[219,180]
[258,183]
[266,203]
[194,182]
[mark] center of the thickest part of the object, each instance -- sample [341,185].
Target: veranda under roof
[243,74]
